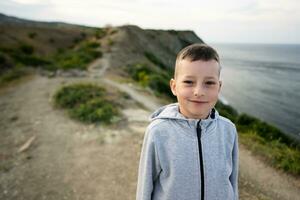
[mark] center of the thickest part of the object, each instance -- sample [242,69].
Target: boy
[190,152]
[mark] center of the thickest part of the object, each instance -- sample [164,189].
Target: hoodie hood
[171,111]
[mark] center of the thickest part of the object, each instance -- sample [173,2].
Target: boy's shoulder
[226,121]
[227,124]
[159,125]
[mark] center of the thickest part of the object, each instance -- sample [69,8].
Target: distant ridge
[11,20]
[132,43]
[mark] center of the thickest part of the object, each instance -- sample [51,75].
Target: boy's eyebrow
[207,77]
[210,77]
[189,76]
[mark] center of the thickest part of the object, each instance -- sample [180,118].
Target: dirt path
[69,160]
[267,182]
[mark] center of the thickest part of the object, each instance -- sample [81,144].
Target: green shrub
[275,152]
[90,45]
[137,69]
[71,96]
[94,111]
[12,74]
[155,60]
[265,140]
[77,59]
[51,40]
[160,84]
[100,33]
[87,103]
[227,111]
[83,34]
[245,122]
[26,49]
[157,80]
[110,42]
[32,35]
[77,40]
[30,60]
[2,58]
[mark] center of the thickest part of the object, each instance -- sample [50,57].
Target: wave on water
[223,99]
[264,65]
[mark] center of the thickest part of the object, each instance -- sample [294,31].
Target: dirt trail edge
[69,160]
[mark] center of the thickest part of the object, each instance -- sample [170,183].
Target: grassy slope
[27,43]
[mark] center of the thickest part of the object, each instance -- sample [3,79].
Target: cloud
[31,2]
[215,20]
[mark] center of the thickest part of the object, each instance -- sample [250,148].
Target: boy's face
[196,86]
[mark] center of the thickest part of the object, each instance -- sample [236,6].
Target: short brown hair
[197,51]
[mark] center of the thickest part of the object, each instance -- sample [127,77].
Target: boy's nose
[198,90]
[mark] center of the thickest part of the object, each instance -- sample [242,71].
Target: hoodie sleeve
[235,164]
[149,167]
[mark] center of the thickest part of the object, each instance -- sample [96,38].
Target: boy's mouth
[198,101]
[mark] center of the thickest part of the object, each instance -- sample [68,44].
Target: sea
[263,80]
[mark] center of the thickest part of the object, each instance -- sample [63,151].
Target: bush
[72,96]
[99,33]
[32,35]
[51,40]
[227,111]
[160,84]
[266,131]
[26,49]
[12,74]
[30,60]
[77,59]
[275,152]
[2,58]
[110,42]
[95,110]
[89,45]
[136,70]
[265,140]
[157,80]
[155,60]
[86,103]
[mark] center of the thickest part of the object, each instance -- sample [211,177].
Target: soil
[71,160]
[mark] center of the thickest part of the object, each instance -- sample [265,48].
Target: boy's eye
[188,82]
[210,83]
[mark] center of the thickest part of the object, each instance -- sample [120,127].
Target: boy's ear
[220,82]
[173,86]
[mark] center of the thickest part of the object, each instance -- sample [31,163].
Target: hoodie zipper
[200,158]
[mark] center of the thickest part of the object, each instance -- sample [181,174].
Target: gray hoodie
[175,165]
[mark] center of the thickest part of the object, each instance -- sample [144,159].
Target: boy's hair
[196,52]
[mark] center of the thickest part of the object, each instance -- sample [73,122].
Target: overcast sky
[238,21]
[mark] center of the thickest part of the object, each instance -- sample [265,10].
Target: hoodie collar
[171,111]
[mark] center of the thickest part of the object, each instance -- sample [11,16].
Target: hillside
[133,42]
[45,37]
[46,154]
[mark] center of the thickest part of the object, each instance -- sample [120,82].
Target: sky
[230,21]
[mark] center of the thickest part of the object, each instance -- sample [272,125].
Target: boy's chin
[198,115]
[202,115]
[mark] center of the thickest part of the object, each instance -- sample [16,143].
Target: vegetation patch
[13,74]
[76,58]
[155,79]
[87,103]
[150,56]
[14,59]
[100,33]
[265,140]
